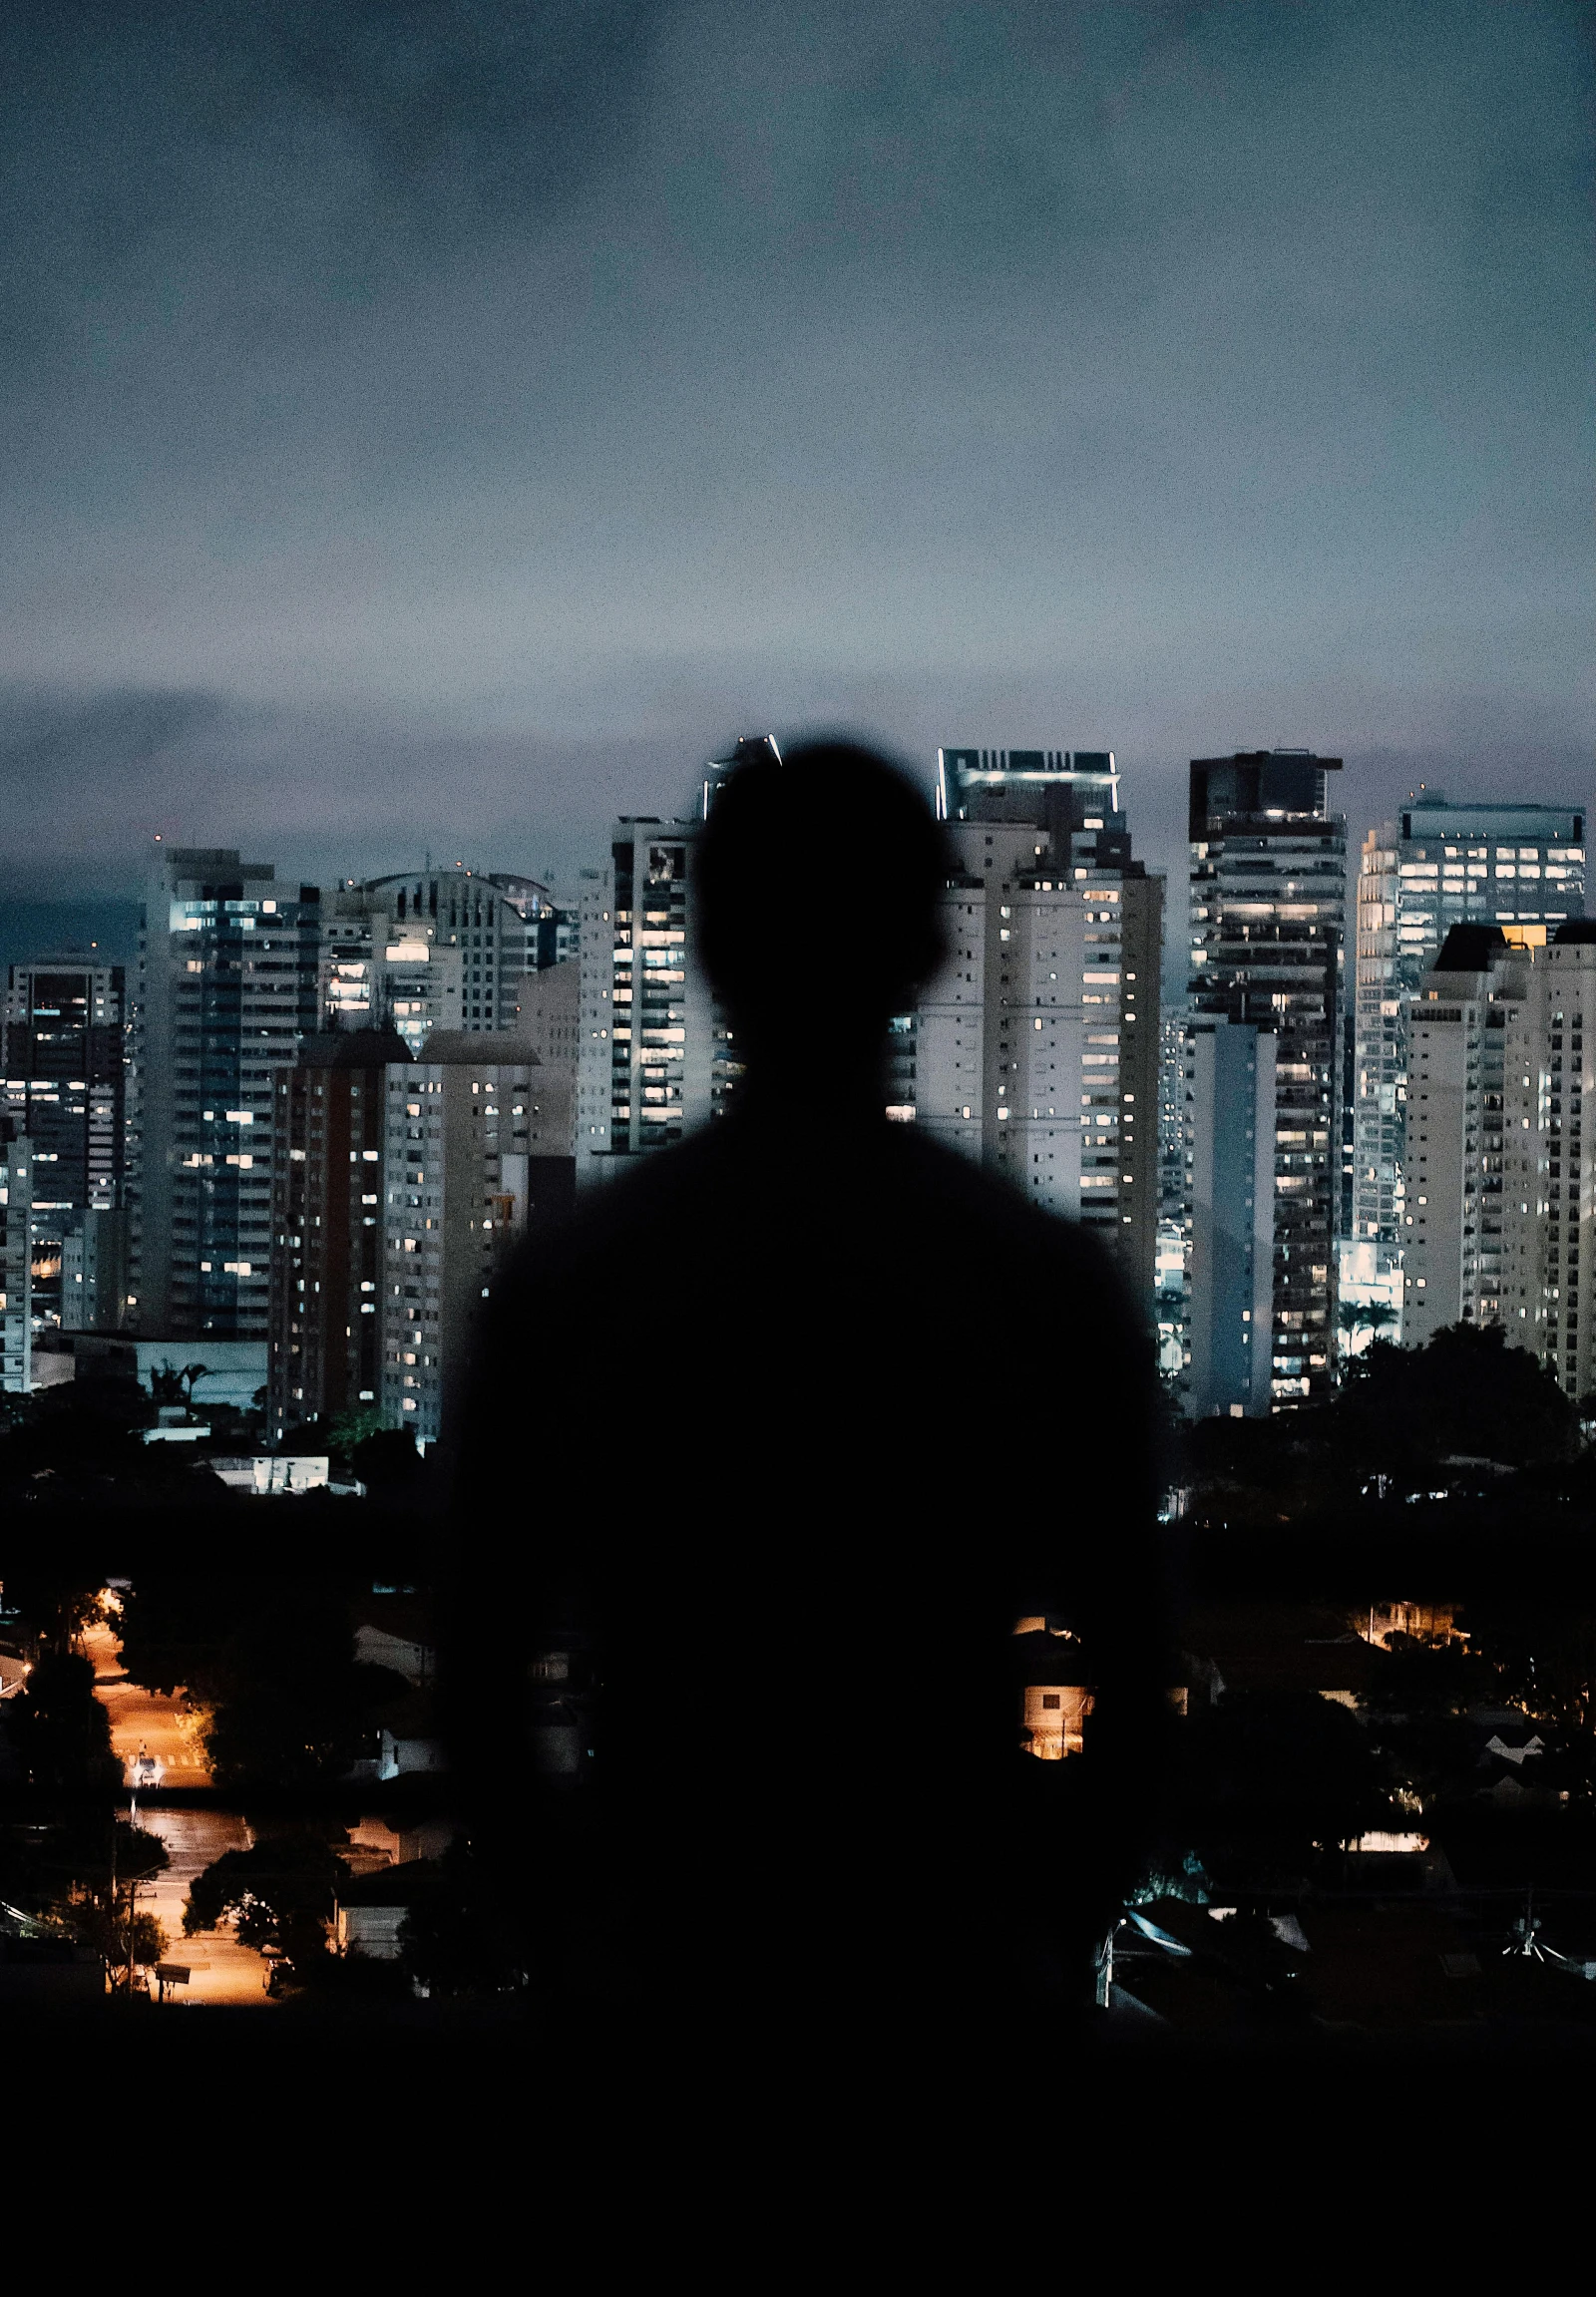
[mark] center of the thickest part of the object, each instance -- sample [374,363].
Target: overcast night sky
[439,425]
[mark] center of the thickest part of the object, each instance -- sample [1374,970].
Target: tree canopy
[282,1890]
[455,1939]
[276,1665]
[60,1732]
[1405,1413]
[1289,1753]
[1468,1394]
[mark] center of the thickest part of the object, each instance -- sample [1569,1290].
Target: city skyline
[73,917]
[495,489]
[450,446]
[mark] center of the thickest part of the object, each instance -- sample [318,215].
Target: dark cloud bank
[436,427]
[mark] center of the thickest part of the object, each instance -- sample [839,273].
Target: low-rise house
[1284,1647]
[1511,1758]
[394,1631]
[1055,1702]
[175,1425]
[273,1475]
[395,1842]
[370,1911]
[406,1738]
[1381,1967]
[39,1966]
[1422,1622]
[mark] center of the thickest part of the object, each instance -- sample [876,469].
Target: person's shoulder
[961,1194]
[620,1199]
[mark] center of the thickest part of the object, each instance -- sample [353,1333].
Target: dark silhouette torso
[782,1437]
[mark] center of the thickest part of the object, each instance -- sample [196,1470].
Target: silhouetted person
[778,1438]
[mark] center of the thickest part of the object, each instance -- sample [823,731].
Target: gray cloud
[444,423]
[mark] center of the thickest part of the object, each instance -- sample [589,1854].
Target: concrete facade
[227,986]
[1501,1225]
[63,1067]
[654,1060]
[1037,1045]
[1229,1073]
[16,1266]
[1435,866]
[1268,908]
[326,1345]
[474,1154]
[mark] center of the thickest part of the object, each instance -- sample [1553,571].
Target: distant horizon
[30,923]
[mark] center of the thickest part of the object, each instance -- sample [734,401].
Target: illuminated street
[145,1720]
[220,1970]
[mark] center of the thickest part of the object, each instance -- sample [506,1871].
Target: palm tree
[1354,1316]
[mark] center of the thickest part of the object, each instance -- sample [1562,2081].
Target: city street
[145,1720]
[220,1970]
[149,1723]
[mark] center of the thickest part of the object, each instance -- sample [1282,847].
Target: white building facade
[1435,866]
[1035,1047]
[476,1150]
[1499,1226]
[16,1264]
[653,1058]
[434,948]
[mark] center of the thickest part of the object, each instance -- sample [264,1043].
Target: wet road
[219,1969]
[146,1722]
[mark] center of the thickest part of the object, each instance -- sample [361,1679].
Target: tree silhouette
[1468,1394]
[167,1385]
[1372,1315]
[60,1733]
[282,1890]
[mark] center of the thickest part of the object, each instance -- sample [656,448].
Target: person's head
[818,894]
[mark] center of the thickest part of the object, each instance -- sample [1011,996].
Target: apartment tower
[475,1154]
[1435,866]
[227,986]
[1501,1225]
[325,1355]
[61,1067]
[1034,1051]
[1268,911]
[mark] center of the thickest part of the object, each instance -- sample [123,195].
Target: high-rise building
[435,948]
[551,1022]
[1170,1259]
[325,1355]
[1435,866]
[227,986]
[399,1185]
[61,1067]
[654,1061]
[1267,909]
[1053,1085]
[94,1272]
[1563,1239]
[656,1057]
[1500,1226]
[1228,1072]
[1036,1048]
[476,1152]
[16,1264]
